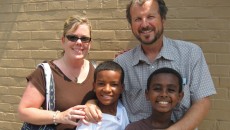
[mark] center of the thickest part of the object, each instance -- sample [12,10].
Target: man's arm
[194,116]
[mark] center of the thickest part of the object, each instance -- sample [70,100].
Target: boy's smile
[163,92]
[108,87]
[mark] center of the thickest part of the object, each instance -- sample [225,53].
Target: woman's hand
[71,115]
[92,112]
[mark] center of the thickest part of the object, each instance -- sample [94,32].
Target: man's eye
[137,19]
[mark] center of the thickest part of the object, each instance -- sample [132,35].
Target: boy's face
[108,86]
[163,92]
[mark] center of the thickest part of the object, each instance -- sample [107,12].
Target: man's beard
[157,36]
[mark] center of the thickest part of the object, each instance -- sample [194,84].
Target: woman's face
[76,44]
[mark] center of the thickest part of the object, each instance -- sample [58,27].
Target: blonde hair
[72,23]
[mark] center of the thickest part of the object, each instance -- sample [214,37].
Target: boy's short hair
[165,70]
[109,65]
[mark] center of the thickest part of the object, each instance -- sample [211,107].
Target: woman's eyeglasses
[74,38]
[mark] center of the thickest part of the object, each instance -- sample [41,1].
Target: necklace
[70,74]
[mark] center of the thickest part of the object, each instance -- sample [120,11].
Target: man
[147,18]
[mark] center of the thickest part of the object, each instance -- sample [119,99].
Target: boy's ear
[94,84]
[146,94]
[181,95]
[122,87]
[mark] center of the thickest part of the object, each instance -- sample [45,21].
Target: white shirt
[109,122]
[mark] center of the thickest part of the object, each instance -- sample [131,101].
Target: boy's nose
[164,93]
[107,88]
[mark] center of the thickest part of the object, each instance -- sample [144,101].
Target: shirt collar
[167,52]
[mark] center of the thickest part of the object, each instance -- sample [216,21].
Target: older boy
[108,85]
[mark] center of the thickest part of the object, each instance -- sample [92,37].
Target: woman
[73,77]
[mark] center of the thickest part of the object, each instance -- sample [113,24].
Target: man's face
[163,92]
[146,22]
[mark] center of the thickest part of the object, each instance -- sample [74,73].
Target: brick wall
[30,32]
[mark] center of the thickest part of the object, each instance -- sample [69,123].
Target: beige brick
[14,72]
[28,26]
[103,34]
[223,125]
[44,54]
[18,54]
[207,125]
[7,81]
[100,55]
[123,34]
[33,45]
[112,24]
[11,63]
[5,8]
[44,35]
[219,115]
[11,45]
[30,7]
[210,58]
[181,24]
[213,24]
[7,27]
[216,81]
[29,63]
[119,14]
[54,5]
[99,14]
[6,17]
[221,13]
[5,107]
[106,4]
[81,4]
[214,3]
[223,59]
[221,104]
[222,93]
[225,81]
[19,35]
[216,47]
[3,90]
[52,25]
[18,8]
[68,5]
[54,45]
[220,70]
[43,6]
[3,72]
[10,99]
[93,4]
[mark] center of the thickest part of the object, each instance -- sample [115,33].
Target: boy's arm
[92,111]
[194,115]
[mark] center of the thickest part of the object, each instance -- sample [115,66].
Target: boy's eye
[156,88]
[171,90]
[114,85]
[100,84]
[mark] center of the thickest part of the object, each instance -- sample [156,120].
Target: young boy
[164,91]
[108,85]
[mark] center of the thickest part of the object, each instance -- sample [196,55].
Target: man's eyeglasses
[74,38]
